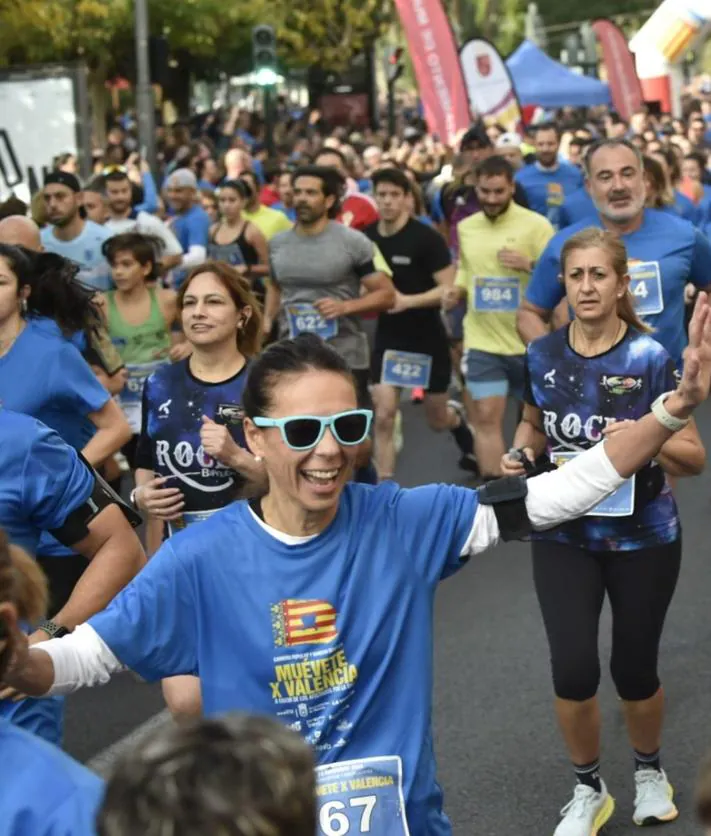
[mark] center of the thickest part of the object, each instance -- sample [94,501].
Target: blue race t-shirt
[85,250]
[43,791]
[578,397]
[45,376]
[577,207]
[192,229]
[174,401]
[546,189]
[332,636]
[687,209]
[42,479]
[664,254]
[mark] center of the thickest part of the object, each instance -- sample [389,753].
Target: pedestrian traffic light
[264,54]
[395,65]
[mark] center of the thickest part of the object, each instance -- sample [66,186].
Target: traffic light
[264,54]
[395,65]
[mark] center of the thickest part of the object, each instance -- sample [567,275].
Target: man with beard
[548,180]
[122,217]
[70,235]
[498,248]
[665,252]
[323,277]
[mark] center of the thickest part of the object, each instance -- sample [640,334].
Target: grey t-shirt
[312,267]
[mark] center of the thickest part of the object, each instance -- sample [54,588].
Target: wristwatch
[54,631]
[665,418]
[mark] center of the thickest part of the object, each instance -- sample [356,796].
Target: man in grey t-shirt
[319,270]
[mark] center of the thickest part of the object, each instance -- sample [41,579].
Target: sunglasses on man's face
[304,432]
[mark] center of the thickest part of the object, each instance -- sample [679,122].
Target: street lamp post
[144,91]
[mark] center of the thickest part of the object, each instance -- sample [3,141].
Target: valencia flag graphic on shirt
[303,622]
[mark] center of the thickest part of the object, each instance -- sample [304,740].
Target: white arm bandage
[194,256]
[81,659]
[554,497]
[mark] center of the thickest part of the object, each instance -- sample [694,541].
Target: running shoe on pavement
[586,813]
[418,395]
[464,436]
[653,801]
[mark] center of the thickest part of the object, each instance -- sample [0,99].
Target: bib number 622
[335,818]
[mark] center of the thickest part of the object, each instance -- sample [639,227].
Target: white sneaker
[586,813]
[653,802]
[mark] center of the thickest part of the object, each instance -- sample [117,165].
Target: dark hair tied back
[287,357]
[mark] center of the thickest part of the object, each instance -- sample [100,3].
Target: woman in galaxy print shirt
[190,458]
[585,381]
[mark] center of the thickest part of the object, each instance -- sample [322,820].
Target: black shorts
[441,374]
[362,381]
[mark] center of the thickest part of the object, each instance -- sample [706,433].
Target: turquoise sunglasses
[303,432]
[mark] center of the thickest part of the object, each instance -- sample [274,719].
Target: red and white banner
[439,77]
[625,89]
[489,86]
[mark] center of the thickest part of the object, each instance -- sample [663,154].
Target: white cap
[509,140]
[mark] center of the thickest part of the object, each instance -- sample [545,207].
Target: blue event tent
[539,80]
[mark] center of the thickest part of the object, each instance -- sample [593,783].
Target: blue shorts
[493,375]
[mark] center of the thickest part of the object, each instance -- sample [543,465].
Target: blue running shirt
[546,189]
[85,250]
[43,791]
[577,207]
[578,397]
[45,376]
[42,480]
[332,636]
[664,254]
[174,401]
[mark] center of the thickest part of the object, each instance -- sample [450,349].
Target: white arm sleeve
[554,497]
[81,659]
[194,256]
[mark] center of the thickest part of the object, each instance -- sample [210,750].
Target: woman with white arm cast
[314,604]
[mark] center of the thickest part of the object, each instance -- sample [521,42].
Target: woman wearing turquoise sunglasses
[314,604]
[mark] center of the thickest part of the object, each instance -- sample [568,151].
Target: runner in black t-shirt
[411,346]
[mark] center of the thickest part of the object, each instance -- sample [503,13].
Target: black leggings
[571,583]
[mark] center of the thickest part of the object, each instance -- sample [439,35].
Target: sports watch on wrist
[53,630]
[665,418]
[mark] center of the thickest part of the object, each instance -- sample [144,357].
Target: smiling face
[209,314]
[592,286]
[616,183]
[495,194]
[308,480]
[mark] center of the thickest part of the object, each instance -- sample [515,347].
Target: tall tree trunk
[99,100]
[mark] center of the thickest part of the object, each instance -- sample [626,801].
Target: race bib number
[306,319]
[646,287]
[406,369]
[493,295]
[618,504]
[130,397]
[188,518]
[361,796]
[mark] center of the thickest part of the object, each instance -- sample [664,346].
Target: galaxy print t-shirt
[578,397]
[174,401]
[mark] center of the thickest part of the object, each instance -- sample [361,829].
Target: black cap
[63,178]
[475,137]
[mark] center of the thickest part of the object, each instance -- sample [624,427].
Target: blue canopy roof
[539,80]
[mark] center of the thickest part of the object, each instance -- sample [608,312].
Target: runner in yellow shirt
[498,247]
